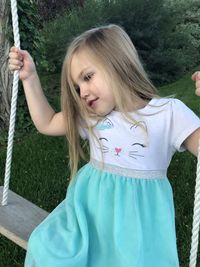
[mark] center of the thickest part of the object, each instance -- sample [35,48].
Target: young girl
[118,210]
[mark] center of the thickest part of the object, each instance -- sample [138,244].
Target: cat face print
[127,140]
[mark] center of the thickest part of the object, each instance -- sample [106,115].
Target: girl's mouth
[92,102]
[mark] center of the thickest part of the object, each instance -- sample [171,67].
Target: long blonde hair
[112,48]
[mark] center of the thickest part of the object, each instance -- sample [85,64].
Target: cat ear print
[108,122]
[141,124]
[105,124]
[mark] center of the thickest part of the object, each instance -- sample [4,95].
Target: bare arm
[192,142]
[44,117]
[46,120]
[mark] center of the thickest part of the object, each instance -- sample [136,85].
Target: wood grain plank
[19,218]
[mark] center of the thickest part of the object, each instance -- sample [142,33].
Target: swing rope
[15,25]
[196,216]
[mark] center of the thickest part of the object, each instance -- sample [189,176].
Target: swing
[19,217]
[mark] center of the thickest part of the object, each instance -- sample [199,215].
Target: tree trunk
[5,76]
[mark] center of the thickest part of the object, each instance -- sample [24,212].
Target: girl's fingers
[15,55]
[21,60]
[198,85]
[14,49]
[197,91]
[14,67]
[15,62]
[193,76]
[197,79]
[196,76]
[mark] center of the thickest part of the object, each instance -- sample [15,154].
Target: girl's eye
[87,77]
[77,90]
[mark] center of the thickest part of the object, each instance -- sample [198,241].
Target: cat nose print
[118,150]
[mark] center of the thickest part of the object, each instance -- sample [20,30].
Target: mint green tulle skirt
[113,217]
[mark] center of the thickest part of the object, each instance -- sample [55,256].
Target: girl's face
[90,82]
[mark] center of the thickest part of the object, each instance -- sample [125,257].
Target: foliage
[154,27]
[191,23]
[59,32]
[31,40]
[48,10]
[30,25]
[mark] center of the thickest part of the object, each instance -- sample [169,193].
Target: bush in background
[31,40]
[191,23]
[30,25]
[48,10]
[60,31]
[154,27]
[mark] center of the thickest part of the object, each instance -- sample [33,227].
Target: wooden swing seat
[19,218]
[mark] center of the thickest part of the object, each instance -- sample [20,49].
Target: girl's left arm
[192,142]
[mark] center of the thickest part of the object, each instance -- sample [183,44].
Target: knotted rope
[15,25]
[196,217]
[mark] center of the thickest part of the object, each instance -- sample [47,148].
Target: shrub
[48,10]
[152,25]
[30,25]
[31,40]
[60,31]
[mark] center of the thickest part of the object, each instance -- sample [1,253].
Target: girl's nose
[84,91]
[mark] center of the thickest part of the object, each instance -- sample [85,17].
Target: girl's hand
[196,78]
[22,61]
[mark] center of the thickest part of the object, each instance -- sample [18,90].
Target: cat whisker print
[134,155]
[104,149]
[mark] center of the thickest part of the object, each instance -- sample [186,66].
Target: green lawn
[40,171]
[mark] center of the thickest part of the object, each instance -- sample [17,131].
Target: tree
[49,9]
[166,51]
[31,40]
[5,75]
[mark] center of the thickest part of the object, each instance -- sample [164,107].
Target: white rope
[196,217]
[15,25]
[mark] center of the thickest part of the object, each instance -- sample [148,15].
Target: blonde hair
[112,48]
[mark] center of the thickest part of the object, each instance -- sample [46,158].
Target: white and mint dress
[119,213]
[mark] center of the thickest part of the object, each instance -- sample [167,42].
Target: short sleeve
[83,132]
[184,123]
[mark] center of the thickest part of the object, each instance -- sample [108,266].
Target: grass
[40,171]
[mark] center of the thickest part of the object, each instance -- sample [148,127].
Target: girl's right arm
[44,117]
